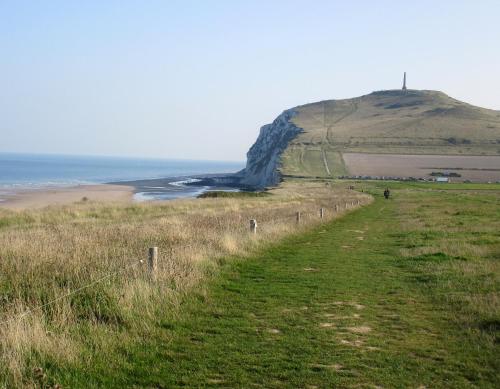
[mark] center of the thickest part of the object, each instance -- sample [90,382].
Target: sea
[39,171]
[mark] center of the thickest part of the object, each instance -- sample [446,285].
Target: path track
[325,161]
[330,308]
[329,126]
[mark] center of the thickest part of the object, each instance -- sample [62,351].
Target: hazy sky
[197,79]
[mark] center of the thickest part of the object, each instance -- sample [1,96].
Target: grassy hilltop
[388,122]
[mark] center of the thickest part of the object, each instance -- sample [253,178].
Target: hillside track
[330,125]
[325,161]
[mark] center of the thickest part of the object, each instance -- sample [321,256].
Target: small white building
[442,179]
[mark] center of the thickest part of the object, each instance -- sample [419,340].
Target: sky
[197,79]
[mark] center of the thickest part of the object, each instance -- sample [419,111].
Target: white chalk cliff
[264,157]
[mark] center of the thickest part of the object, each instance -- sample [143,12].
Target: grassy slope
[418,122]
[401,293]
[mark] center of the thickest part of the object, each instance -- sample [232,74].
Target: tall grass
[47,254]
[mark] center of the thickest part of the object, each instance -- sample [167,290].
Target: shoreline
[170,188]
[157,189]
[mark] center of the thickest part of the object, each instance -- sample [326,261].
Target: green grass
[402,293]
[431,186]
[308,161]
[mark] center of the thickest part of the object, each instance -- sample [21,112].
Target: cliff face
[264,157]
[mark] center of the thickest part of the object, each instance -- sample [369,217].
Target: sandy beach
[32,199]
[127,191]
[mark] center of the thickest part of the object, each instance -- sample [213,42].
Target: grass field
[401,293]
[397,122]
[313,162]
[47,254]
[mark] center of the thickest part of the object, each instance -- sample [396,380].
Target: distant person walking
[387,193]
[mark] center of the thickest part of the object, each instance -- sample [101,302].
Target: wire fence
[73,292]
[263,217]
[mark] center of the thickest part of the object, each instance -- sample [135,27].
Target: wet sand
[32,199]
[173,187]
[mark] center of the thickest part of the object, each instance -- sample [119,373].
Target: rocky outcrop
[264,157]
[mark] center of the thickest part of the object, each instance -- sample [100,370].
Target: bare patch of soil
[470,167]
[353,343]
[359,329]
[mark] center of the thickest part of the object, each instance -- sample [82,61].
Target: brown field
[473,168]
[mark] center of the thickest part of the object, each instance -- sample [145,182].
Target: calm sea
[26,171]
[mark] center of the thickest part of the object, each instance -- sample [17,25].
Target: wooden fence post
[321,213]
[253,226]
[357,202]
[346,205]
[298,217]
[336,207]
[153,262]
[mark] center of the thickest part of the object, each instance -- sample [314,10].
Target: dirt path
[325,161]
